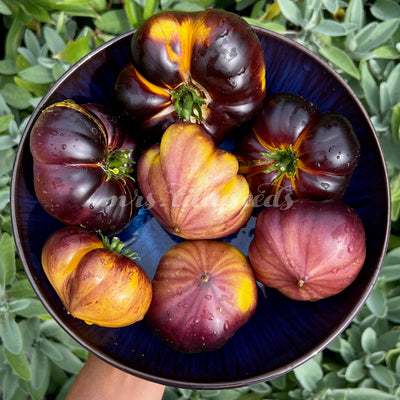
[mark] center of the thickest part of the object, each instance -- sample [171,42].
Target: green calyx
[117,246]
[187,103]
[117,164]
[284,161]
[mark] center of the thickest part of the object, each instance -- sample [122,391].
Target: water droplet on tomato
[226,325]
[325,185]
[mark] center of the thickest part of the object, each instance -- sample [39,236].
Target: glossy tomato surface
[294,149]
[206,67]
[82,158]
[282,333]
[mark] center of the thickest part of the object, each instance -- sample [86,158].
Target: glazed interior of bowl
[282,333]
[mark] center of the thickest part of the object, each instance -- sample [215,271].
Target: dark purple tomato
[82,166]
[204,67]
[296,150]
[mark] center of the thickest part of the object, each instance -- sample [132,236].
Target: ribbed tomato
[205,67]
[82,165]
[295,149]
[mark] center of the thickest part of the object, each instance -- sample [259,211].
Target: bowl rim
[174,382]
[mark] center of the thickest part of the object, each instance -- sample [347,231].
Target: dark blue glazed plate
[283,333]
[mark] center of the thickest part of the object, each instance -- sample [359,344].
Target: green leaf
[370,88]
[77,49]
[8,67]
[291,11]
[40,368]
[393,85]
[385,9]
[375,34]
[32,44]
[368,340]
[386,52]
[54,41]
[7,259]
[392,357]
[395,123]
[271,26]
[69,361]
[355,371]
[4,9]
[393,305]
[358,394]
[9,385]
[331,5]
[383,376]
[19,363]
[5,121]
[21,289]
[346,351]
[51,350]
[309,374]
[114,21]
[11,335]
[37,74]
[355,13]
[16,96]
[376,303]
[333,28]
[339,58]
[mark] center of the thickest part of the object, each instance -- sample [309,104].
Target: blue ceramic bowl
[283,333]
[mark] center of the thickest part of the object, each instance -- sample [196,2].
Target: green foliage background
[43,38]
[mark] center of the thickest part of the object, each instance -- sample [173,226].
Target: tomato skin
[213,52]
[95,284]
[70,145]
[310,251]
[203,292]
[324,146]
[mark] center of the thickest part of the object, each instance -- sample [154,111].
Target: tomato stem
[117,164]
[117,246]
[285,162]
[187,103]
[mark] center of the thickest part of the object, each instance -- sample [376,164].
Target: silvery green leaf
[385,101]
[7,259]
[371,90]
[69,361]
[334,28]
[54,41]
[28,55]
[47,62]
[32,43]
[393,313]
[4,124]
[4,9]
[395,126]
[21,289]
[339,58]
[11,335]
[358,394]
[16,96]
[6,160]
[393,85]
[368,340]
[40,368]
[331,5]
[376,303]
[355,371]
[4,108]
[13,131]
[383,376]
[355,13]
[375,34]
[15,306]
[291,11]
[37,74]
[48,348]
[114,21]
[8,67]
[309,374]
[385,9]
[9,385]
[388,340]
[35,309]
